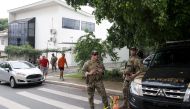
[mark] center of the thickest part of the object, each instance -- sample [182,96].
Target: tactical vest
[95,77]
[133,64]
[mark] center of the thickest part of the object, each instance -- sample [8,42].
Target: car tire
[13,83]
[40,83]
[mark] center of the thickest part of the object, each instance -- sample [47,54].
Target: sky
[6,5]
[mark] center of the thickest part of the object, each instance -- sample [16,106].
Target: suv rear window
[172,57]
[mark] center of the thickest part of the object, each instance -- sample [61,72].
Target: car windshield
[149,58]
[21,65]
[173,57]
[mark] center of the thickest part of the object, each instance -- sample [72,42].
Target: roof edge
[60,2]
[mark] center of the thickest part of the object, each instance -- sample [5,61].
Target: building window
[31,31]
[88,26]
[2,42]
[71,23]
[22,32]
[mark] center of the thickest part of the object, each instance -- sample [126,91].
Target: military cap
[94,52]
[133,48]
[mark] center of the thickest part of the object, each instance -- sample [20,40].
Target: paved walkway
[112,87]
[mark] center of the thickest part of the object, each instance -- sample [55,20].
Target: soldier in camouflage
[93,70]
[134,67]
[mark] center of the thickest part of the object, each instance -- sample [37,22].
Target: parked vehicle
[166,84]
[19,72]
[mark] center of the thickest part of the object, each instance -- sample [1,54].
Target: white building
[50,23]
[3,42]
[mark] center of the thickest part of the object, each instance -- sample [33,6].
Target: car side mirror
[7,69]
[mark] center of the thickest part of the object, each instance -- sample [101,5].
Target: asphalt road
[45,96]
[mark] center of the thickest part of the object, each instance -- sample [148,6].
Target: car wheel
[13,83]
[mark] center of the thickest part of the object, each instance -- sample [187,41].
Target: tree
[142,22]
[3,24]
[86,44]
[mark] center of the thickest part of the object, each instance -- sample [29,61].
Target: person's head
[133,51]
[53,54]
[63,54]
[94,55]
[43,57]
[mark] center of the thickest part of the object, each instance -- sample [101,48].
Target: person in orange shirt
[61,63]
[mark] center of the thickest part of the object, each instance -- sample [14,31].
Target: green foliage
[142,22]
[3,24]
[27,50]
[21,50]
[113,75]
[110,75]
[86,44]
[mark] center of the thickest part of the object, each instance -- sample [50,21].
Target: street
[45,96]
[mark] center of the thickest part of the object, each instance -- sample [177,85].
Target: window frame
[90,26]
[69,23]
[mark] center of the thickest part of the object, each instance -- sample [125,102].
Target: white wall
[69,35]
[43,24]
[123,55]
[2,47]
[51,17]
[64,34]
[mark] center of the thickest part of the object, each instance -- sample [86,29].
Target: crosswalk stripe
[49,101]
[11,104]
[77,97]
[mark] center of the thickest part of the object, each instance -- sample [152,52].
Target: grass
[74,75]
[113,75]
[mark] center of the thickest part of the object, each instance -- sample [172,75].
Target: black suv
[166,84]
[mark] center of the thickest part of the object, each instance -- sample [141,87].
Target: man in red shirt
[44,65]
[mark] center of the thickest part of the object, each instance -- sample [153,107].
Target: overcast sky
[6,5]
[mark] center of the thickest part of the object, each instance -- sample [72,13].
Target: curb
[109,91]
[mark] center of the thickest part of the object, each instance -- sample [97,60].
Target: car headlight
[187,95]
[136,88]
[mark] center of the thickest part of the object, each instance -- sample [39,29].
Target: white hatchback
[20,72]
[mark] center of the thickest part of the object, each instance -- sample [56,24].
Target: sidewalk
[112,87]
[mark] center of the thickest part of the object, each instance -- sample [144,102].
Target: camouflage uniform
[53,63]
[94,81]
[134,65]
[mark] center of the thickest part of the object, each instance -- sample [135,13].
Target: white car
[20,72]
